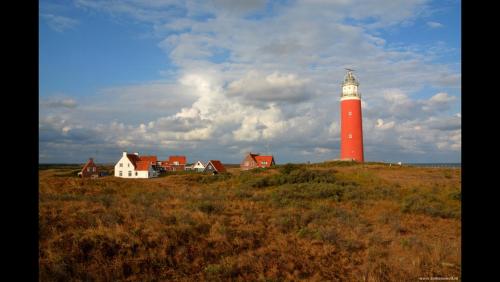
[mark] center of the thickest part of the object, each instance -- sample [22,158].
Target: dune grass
[318,222]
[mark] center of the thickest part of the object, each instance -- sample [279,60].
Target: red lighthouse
[351,127]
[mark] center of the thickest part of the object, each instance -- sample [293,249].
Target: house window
[128,165]
[94,169]
[136,173]
[120,172]
[129,173]
[350,136]
[121,165]
[176,163]
[264,163]
[88,169]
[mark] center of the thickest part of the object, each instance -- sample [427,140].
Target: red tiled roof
[261,159]
[142,165]
[133,159]
[180,159]
[152,159]
[218,166]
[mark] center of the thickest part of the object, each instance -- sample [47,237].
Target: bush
[457,195]
[429,205]
[286,194]
[290,177]
[288,168]
[210,207]
[307,176]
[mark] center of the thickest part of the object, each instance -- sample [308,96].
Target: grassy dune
[318,222]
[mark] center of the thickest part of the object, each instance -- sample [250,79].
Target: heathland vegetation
[318,222]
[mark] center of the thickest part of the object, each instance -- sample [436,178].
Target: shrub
[249,216]
[298,193]
[288,223]
[210,207]
[291,174]
[307,176]
[457,195]
[219,271]
[429,205]
[242,194]
[289,167]
[308,233]
[330,235]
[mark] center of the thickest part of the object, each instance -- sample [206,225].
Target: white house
[131,166]
[198,166]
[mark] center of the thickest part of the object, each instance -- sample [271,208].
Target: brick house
[252,161]
[89,170]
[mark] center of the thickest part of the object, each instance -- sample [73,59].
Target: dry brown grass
[364,223]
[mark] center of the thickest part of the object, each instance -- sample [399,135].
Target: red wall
[351,148]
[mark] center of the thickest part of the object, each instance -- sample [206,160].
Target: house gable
[89,169]
[215,166]
[124,163]
[264,161]
[198,164]
[249,162]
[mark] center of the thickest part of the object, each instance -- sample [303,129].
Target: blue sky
[215,79]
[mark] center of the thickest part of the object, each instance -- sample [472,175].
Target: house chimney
[124,154]
[91,159]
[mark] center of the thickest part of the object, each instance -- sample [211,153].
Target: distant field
[319,222]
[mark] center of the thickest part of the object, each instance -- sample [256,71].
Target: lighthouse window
[349,113]
[350,136]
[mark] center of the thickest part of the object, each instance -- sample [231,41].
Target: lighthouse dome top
[350,78]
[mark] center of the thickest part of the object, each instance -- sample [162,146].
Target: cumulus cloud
[275,87]
[383,126]
[271,83]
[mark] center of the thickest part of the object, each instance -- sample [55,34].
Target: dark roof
[133,159]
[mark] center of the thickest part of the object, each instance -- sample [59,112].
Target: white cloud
[383,126]
[245,84]
[60,23]
[59,103]
[275,87]
[434,25]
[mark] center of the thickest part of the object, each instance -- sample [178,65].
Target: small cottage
[174,163]
[199,166]
[252,161]
[215,167]
[89,170]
